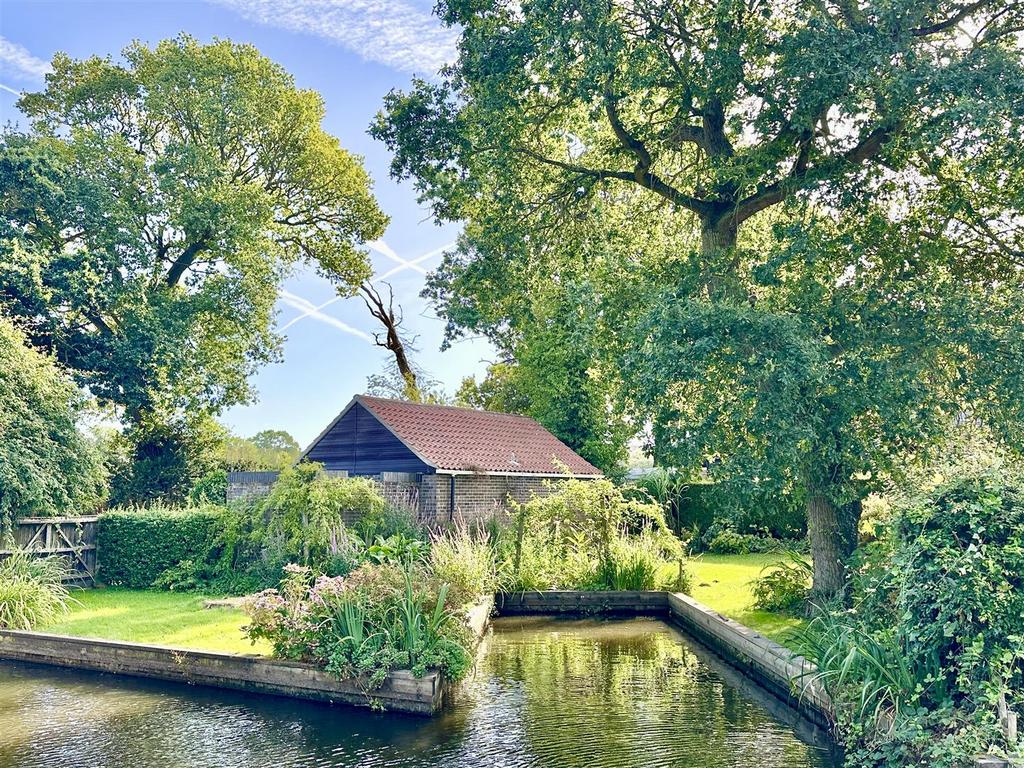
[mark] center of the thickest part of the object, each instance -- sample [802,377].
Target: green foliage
[585,535]
[32,591]
[271,449]
[466,560]
[185,576]
[703,509]
[499,390]
[306,506]
[152,211]
[634,563]
[936,632]
[798,228]
[784,586]
[556,378]
[722,538]
[46,466]
[211,488]
[140,544]
[300,521]
[163,460]
[378,618]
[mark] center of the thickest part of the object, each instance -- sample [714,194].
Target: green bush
[936,630]
[585,535]
[306,507]
[784,586]
[378,618]
[137,546]
[692,508]
[32,590]
[723,539]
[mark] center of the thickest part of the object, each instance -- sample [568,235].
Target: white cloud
[398,33]
[308,309]
[403,264]
[16,61]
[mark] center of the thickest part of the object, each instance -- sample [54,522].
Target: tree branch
[185,259]
[941,26]
[866,149]
[649,180]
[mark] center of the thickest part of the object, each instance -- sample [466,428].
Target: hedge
[136,546]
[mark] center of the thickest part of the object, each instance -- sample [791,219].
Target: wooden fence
[73,538]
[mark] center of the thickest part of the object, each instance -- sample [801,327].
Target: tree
[47,467]
[393,341]
[277,440]
[723,111]
[271,449]
[499,390]
[154,208]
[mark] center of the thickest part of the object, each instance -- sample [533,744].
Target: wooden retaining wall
[72,538]
[401,691]
[788,676]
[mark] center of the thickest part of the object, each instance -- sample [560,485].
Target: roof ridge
[463,408]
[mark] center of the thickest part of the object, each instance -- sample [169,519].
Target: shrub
[694,507]
[723,539]
[32,591]
[936,631]
[138,545]
[784,586]
[585,535]
[306,507]
[211,488]
[378,618]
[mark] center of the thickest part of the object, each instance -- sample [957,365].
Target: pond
[548,692]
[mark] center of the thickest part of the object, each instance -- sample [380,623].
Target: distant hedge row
[137,546]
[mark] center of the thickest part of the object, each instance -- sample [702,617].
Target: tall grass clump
[464,559]
[32,590]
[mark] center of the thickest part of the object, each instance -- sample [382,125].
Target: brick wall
[480,497]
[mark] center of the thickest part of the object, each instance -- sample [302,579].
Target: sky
[351,51]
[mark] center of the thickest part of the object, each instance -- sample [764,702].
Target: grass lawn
[722,582]
[164,618]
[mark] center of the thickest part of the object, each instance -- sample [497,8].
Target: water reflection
[548,692]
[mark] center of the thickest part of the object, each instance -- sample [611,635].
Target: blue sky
[352,52]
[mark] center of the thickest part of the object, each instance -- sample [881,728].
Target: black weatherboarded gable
[359,443]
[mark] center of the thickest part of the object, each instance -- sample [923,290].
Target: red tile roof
[465,439]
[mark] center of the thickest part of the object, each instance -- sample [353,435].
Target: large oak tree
[905,113]
[153,209]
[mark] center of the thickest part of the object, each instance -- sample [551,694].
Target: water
[548,692]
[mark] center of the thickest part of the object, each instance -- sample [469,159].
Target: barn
[444,461]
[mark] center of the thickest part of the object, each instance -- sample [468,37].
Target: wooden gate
[73,538]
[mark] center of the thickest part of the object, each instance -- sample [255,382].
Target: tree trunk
[833,534]
[717,237]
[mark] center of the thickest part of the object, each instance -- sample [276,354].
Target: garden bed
[401,690]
